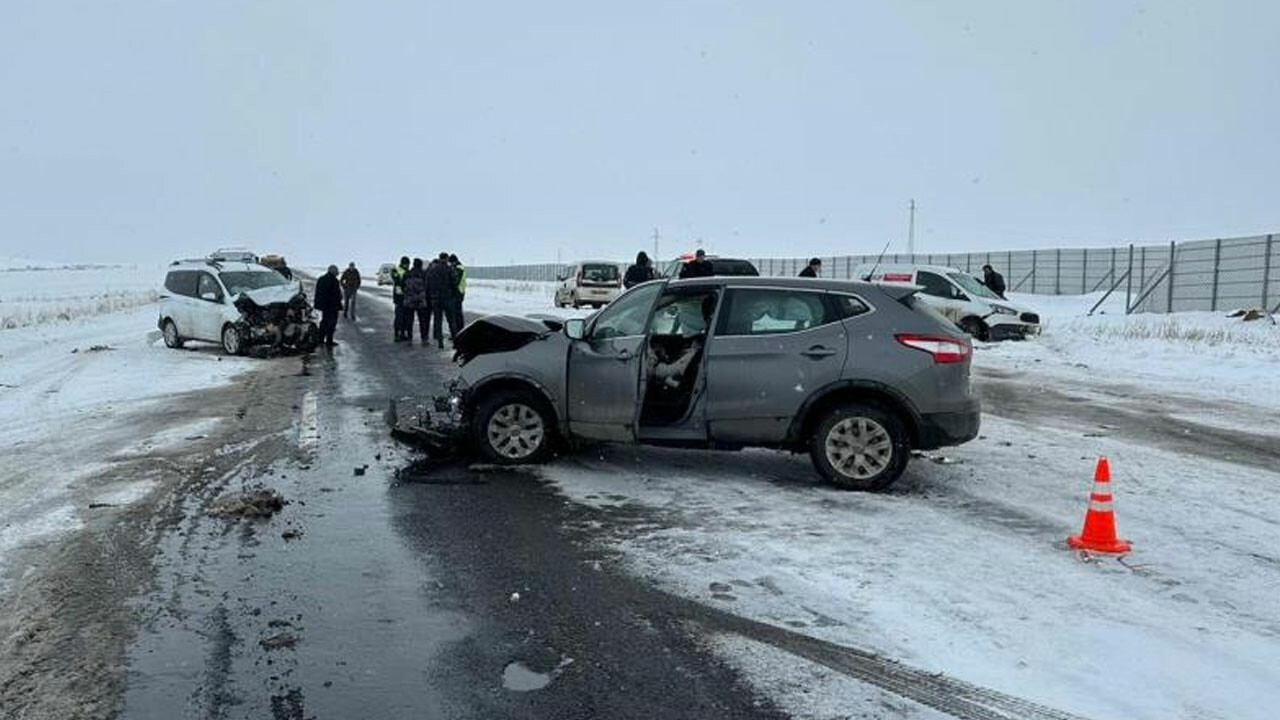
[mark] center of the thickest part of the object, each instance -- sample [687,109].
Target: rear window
[734,268]
[181,282]
[600,273]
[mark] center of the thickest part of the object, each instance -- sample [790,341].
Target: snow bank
[37,296]
[1190,353]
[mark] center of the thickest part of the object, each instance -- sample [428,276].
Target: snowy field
[962,568]
[42,293]
[80,366]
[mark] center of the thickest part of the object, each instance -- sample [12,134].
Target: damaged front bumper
[436,423]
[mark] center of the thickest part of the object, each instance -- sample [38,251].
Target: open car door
[604,368]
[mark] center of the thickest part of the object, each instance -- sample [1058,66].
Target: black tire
[232,343]
[873,428]
[975,328]
[172,339]
[523,411]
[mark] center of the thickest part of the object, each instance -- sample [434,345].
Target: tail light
[945,350]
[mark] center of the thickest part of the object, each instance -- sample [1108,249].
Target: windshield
[973,285]
[242,281]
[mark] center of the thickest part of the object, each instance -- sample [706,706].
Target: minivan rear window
[600,273]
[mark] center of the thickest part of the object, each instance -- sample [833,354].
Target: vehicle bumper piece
[948,428]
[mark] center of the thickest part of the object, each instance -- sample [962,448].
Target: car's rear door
[771,349]
[604,368]
[180,286]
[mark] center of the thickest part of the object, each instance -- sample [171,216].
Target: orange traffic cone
[1099,533]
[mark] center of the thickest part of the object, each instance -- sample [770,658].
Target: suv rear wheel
[860,447]
[512,427]
[171,337]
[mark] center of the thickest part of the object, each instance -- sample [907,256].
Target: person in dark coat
[641,272]
[441,285]
[284,270]
[455,316]
[402,316]
[350,284]
[416,302]
[993,280]
[329,303]
[813,269]
[700,266]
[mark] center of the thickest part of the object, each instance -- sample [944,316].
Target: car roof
[798,283]
[911,267]
[218,266]
[597,262]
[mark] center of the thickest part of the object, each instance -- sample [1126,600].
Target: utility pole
[911,229]
[656,237]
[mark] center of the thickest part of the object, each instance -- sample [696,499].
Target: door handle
[623,355]
[818,351]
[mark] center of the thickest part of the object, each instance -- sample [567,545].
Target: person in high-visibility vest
[456,320]
[402,317]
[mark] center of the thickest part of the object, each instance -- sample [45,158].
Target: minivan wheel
[513,427]
[975,328]
[171,337]
[231,341]
[860,447]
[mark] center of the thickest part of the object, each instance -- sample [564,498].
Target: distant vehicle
[242,306]
[857,375]
[275,262]
[720,266]
[961,298]
[384,274]
[236,254]
[590,282]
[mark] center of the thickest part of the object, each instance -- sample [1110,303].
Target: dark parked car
[720,266]
[855,374]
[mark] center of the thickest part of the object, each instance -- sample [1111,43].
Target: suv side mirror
[575,328]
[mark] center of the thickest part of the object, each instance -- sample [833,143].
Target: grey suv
[856,374]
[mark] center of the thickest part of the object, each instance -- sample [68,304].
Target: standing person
[813,269]
[415,301]
[329,303]
[641,272]
[993,280]
[441,285]
[350,284]
[284,270]
[456,318]
[698,267]
[398,274]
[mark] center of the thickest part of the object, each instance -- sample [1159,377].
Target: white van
[590,282]
[961,297]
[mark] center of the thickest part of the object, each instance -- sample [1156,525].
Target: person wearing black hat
[993,280]
[700,266]
[813,269]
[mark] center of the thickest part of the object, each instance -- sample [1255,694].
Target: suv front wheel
[512,427]
[232,343]
[860,447]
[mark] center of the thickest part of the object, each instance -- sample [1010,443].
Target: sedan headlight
[1002,310]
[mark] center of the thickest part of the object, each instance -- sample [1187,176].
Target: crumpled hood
[270,295]
[500,333]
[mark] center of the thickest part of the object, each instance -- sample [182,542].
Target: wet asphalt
[453,592]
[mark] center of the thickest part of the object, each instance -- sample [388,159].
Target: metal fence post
[1034,264]
[1084,271]
[1128,290]
[1057,272]
[1266,273]
[1217,257]
[1173,264]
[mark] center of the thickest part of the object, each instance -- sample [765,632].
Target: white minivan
[239,305]
[590,282]
[961,297]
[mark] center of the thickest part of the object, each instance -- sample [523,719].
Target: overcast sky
[523,130]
